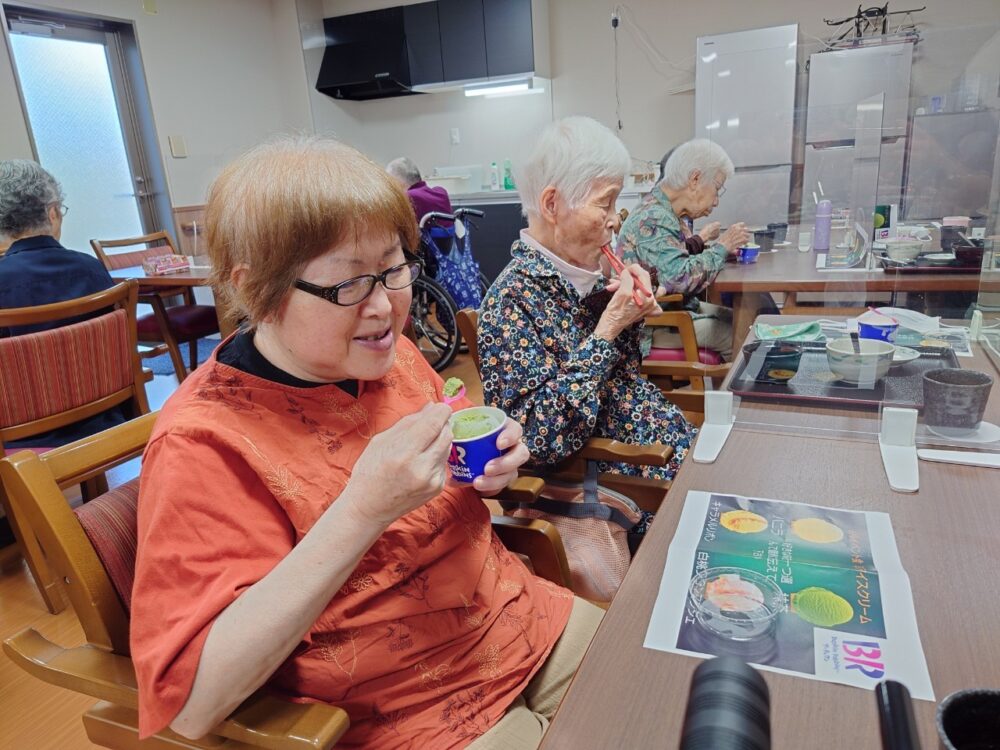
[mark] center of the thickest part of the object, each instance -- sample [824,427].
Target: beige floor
[37,716]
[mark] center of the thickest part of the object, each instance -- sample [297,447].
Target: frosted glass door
[75,121]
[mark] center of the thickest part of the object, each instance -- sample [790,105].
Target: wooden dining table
[625,695]
[789,272]
[192,277]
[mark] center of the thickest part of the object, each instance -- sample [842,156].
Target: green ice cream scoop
[465,426]
[452,386]
[821,607]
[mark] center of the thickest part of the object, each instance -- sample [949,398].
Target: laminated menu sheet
[798,589]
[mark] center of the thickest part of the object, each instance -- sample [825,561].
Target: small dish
[904,354]
[784,243]
[735,603]
[939,259]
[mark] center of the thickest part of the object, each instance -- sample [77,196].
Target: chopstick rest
[968,458]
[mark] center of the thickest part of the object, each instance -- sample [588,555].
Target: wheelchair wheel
[484,283]
[433,318]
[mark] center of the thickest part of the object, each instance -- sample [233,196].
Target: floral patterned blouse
[542,364]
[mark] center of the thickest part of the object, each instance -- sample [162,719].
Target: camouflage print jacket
[652,235]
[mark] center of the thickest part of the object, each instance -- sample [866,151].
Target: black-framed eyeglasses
[62,208]
[720,190]
[357,290]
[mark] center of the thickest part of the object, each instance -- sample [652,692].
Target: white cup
[805,241]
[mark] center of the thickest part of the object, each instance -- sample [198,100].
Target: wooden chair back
[53,378]
[33,482]
[84,547]
[157,243]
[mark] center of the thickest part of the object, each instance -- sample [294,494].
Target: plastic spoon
[855,342]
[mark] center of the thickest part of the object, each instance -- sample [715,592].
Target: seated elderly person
[657,234]
[423,197]
[296,530]
[37,270]
[558,341]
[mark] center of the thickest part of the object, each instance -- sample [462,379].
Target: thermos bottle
[821,233]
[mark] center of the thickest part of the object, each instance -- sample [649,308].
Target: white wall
[582,68]
[223,74]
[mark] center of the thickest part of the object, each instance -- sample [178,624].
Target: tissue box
[164,264]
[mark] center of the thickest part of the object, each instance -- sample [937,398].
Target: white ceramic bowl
[870,365]
[903,248]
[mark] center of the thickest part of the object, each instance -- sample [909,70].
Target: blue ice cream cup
[471,452]
[875,325]
[748,254]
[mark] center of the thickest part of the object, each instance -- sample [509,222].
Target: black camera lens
[729,708]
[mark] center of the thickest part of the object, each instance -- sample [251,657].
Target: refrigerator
[839,80]
[745,102]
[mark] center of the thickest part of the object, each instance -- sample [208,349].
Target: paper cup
[748,254]
[878,333]
[469,456]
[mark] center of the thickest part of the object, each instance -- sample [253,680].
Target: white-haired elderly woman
[658,234]
[559,342]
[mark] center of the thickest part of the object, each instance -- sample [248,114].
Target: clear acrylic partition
[900,133]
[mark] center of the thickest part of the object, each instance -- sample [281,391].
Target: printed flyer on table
[799,589]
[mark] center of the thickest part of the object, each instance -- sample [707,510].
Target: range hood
[366,56]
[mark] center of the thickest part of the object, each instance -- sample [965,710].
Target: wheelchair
[451,280]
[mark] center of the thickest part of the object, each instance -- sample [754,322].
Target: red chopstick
[616,263]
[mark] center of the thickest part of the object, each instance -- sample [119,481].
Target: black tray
[922,266]
[903,386]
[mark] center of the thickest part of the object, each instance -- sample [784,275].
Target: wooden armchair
[93,550]
[647,493]
[168,326]
[683,380]
[56,377]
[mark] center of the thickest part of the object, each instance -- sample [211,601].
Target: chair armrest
[668,318]
[522,490]
[261,721]
[684,369]
[537,540]
[605,449]
[670,299]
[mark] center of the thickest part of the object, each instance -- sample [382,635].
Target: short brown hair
[288,201]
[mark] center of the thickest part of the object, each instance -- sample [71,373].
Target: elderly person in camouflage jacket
[656,234]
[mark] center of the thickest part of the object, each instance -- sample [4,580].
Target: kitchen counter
[627,198]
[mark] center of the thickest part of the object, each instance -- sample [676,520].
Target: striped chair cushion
[109,521]
[136,257]
[52,371]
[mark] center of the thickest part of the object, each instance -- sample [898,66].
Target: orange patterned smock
[431,638]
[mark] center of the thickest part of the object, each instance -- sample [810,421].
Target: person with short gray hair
[423,197]
[659,234]
[405,171]
[36,269]
[30,199]
[559,341]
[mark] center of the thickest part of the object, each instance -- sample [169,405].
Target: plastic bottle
[821,233]
[494,176]
[508,175]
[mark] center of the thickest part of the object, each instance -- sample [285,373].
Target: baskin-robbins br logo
[844,657]
[456,460]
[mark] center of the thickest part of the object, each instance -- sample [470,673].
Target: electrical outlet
[456,137]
